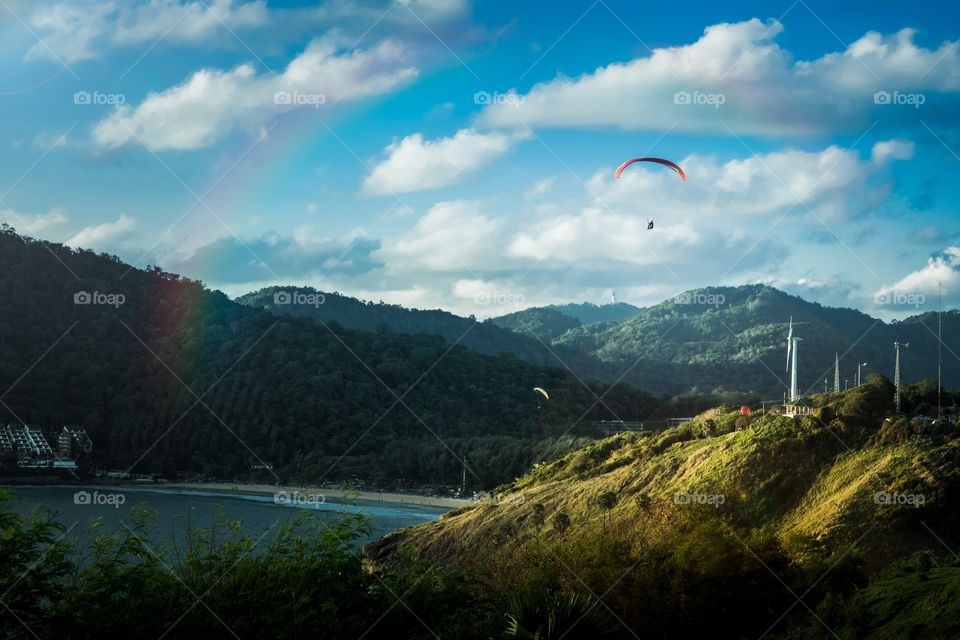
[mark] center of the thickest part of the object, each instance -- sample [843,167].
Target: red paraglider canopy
[666,163]
[744,410]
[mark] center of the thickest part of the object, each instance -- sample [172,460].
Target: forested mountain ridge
[735,338]
[167,375]
[485,337]
[729,340]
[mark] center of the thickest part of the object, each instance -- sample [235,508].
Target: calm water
[176,508]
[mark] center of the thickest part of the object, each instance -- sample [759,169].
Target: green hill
[679,530]
[589,313]
[734,338]
[176,377]
[485,337]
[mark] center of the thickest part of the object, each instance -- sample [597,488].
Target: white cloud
[415,164]
[35,225]
[49,140]
[943,268]
[540,187]
[103,236]
[450,237]
[736,76]
[895,149]
[74,31]
[211,103]
[834,183]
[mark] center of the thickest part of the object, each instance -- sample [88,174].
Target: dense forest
[174,377]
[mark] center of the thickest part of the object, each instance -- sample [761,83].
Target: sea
[90,511]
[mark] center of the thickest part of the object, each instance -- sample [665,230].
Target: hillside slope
[715,500]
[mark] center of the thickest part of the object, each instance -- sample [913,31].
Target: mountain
[589,313]
[734,338]
[483,337]
[167,375]
[726,520]
[547,323]
[543,323]
[728,341]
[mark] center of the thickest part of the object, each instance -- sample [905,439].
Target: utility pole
[896,372]
[824,386]
[939,348]
[463,485]
[846,384]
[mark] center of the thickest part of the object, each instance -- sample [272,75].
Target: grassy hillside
[707,508]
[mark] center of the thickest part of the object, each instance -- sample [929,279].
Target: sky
[461,155]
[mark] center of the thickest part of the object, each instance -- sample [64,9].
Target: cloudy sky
[460,155]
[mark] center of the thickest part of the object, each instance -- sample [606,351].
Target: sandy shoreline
[336,495]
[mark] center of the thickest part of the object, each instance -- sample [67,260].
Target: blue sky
[441,153]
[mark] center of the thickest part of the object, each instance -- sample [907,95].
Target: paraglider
[541,392]
[744,410]
[666,163]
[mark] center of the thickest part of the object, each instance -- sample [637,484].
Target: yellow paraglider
[542,392]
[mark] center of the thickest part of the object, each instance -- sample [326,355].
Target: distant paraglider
[666,163]
[541,392]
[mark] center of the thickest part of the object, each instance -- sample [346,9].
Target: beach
[324,493]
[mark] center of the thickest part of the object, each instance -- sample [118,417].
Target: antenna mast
[836,373]
[896,372]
